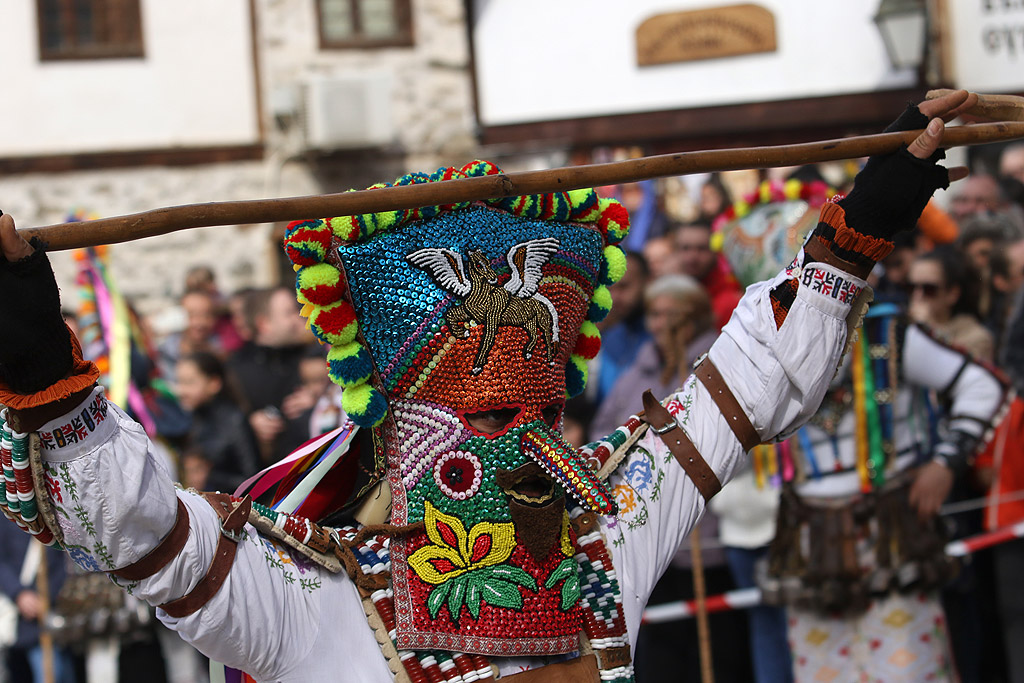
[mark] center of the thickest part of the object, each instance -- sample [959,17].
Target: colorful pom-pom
[575,376]
[480,168]
[319,284]
[335,324]
[349,364]
[307,242]
[588,343]
[364,404]
[600,304]
[613,265]
[614,220]
[345,228]
[585,205]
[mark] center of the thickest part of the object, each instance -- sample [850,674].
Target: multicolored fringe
[300,483]
[19,502]
[320,286]
[872,403]
[109,330]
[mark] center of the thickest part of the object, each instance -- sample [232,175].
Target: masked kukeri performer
[457,332]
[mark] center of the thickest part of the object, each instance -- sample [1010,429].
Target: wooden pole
[45,637]
[171,219]
[707,673]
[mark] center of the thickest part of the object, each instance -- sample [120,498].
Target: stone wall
[432,107]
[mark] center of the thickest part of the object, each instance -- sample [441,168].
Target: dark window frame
[72,49]
[405,38]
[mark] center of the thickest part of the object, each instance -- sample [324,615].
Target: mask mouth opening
[528,484]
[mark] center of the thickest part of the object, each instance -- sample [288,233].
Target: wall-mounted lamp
[903,25]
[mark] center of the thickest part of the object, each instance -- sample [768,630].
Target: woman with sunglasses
[943,288]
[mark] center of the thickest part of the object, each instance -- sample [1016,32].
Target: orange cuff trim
[84,374]
[874,248]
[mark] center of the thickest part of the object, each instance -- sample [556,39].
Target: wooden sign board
[705,34]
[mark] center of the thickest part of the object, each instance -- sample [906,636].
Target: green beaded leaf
[567,571]
[564,570]
[473,597]
[502,594]
[513,575]
[456,596]
[436,598]
[571,592]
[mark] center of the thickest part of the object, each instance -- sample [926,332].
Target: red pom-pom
[587,346]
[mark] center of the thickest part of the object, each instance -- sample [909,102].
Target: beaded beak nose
[562,462]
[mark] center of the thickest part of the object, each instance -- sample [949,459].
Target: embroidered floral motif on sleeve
[829,284]
[78,428]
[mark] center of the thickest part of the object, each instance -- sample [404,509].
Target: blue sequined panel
[400,306]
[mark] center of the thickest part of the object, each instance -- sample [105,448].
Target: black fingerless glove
[35,344]
[892,190]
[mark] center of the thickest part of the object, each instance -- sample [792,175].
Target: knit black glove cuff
[35,346]
[892,189]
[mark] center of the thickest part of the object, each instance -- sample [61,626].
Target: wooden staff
[707,674]
[166,220]
[45,637]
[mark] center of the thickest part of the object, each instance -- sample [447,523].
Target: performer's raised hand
[892,189]
[13,245]
[35,347]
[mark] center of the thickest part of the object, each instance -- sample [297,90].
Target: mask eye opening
[491,422]
[552,415]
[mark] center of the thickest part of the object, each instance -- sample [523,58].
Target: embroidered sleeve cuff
[69,436]
[828,288]
[839,245]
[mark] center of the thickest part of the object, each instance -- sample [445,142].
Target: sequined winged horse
[516,303]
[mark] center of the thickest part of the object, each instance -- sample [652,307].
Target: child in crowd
[221,450]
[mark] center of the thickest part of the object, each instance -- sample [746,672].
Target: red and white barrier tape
[746,598]
[966,546]
[671,611]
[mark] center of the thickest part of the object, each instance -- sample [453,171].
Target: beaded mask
[457,332]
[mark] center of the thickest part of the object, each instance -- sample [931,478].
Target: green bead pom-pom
[600,304]
[349,364]
[613,266]
[364,404]
[575,376]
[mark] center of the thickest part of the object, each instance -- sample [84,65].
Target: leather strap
[233,517]
[665,426]
[818,252]
[164,552]
[31,419]
[580,670]
[723,397]
[612,657]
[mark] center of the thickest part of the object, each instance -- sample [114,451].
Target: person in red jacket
[691,244]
